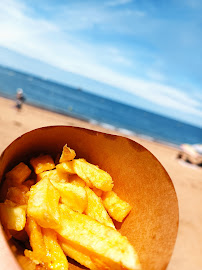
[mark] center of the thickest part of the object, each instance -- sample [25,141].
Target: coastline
[186,178]
[102,126]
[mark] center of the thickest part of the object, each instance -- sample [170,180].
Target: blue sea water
[96,109]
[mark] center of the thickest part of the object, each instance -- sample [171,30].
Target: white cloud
[45,40]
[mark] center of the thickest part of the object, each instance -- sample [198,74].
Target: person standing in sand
[20,99]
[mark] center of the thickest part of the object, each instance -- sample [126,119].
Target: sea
[95,109]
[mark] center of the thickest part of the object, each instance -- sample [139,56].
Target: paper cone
[138,177]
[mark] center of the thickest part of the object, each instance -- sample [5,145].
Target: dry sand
[187,179]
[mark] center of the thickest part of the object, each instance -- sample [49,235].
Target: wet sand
[187,178]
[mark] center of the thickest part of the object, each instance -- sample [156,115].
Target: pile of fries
[66,208]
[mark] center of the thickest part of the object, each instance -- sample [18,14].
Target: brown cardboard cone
[138,177]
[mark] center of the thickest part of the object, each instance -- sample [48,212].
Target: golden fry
[116,207]
[72,195]
[38,253]
[57,258]
[18,194]
[92,175]
[74,179]
[96,210]
[67,154]
[42,163]
[66,210]
[43,204]
[77,255]
[97,240]
[65,168]
[53,175]
[18,174]
[13,216]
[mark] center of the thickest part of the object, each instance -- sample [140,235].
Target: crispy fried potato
[38,253]
[65,167]
[97,240]
[18,194]
[67,154]
[26,263]
[68,208]
[43,204]
[45,247]
[18,174]
[72,195]
[53,175]
[116,207]
[76,180]
[13,216]
[96,210]
[42,163]
[77,256]
[92,175]
[7,184]
[57,258]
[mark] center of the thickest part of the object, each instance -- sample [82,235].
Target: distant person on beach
[20,99]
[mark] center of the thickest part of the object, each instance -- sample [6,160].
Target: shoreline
[186,179]
[89,124]
[101,125]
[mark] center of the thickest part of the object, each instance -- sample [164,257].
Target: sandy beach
[187,178]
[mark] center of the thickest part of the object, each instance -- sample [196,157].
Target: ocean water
[95,109]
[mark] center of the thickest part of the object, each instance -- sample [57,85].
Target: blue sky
[146,53]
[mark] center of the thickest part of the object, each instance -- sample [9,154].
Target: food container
[139,178]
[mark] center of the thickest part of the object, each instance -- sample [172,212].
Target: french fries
[117,208]
[92,175]
[66,210]
[73,196]
[34,231]
[13,216]
[57,259]
[96,210]
[67,154]
[18,174]
[78,256]
[99,242]
[18,194]
[42,163]
[43,204]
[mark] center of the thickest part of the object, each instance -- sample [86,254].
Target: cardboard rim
[152,227]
